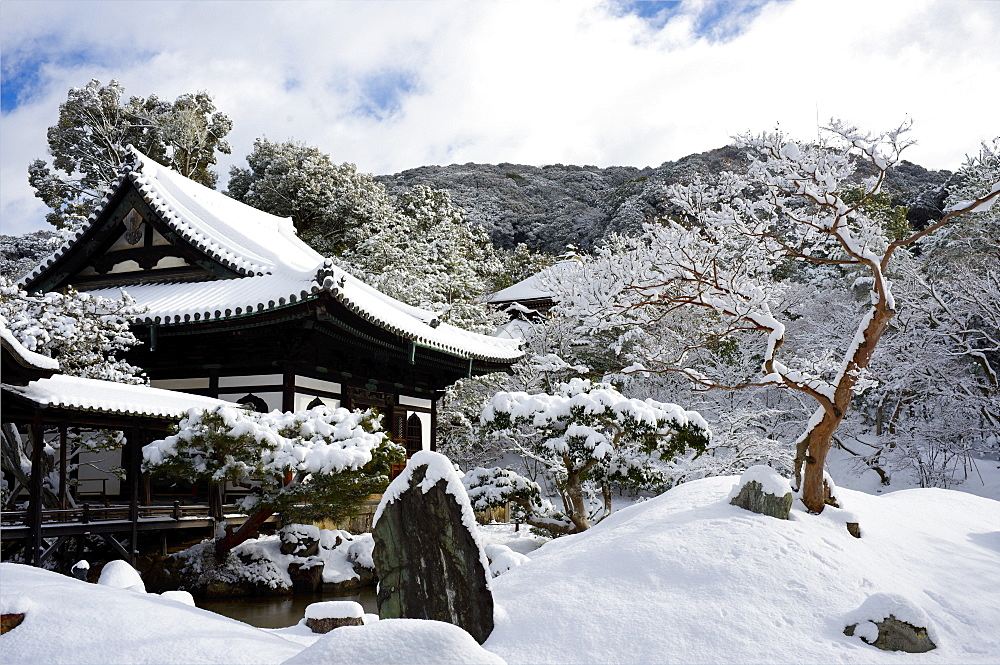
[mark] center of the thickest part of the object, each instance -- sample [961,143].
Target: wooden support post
[35,491]
[288,390]
[53,548]
[434,422]
[63,504]
[134,447]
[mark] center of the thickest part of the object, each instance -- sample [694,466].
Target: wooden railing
[88,513]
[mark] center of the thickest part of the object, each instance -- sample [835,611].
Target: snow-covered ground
[684,577]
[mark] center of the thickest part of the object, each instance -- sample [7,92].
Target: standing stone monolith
[428,557]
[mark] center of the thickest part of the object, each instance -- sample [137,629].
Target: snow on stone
[360,551]
[335,609]
[120,574]
[184,597]
[439,468]
[397,642]
[770,481]
[879,606]
[503,559]
[74,392]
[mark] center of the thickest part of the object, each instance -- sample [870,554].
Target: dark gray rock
[428,563]
[326,625]
[307,576]
[896,635]
[752,497]
[300,540]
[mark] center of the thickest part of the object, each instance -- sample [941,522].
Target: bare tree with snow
[741,235]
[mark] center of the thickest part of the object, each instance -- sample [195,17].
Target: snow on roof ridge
[25,356]
[247,240]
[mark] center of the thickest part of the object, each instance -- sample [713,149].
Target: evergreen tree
[428,255]
[95,125]
[325,201]
[308,465]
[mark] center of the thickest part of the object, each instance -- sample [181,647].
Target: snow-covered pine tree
[587,431]
[428,255]
[95,125]
[307,465]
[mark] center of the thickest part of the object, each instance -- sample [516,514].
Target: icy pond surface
[278,611]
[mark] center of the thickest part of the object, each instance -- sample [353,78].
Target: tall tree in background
[428,255]
[325,200]
[95,125]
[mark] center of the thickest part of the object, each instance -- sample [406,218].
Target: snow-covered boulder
[300,539]
[325,616]
[891,622]
[180,596]
[428,555]
[397,641]
[762,490]
[120,574]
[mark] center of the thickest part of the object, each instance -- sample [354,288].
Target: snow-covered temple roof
[534,287]
[225,299]
[273,268]
[22,356]
[80,394]
[241,237]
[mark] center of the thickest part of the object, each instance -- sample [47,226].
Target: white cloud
[533,82]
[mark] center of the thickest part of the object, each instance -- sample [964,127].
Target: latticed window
[414,435]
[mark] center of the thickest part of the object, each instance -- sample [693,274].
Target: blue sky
[395,85]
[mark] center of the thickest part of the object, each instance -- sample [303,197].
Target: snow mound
[70,621]
[120,574]
[688,578]
[335,609]
[396,642]
[503,559]
[179,596]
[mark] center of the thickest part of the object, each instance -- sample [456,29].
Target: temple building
[237,307]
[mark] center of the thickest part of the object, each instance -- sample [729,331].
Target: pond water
[279,611]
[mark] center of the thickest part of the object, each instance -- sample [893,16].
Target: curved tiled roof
[80,394]
[177,303]
[240,237]
[276,268]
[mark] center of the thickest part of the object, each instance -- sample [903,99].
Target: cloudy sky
[395,85]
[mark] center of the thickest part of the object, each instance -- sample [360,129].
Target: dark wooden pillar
[35,490]
[288,390]
[63,504]
[434,422]
[133,479]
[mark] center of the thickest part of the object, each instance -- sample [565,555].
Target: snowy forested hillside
[551,206]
